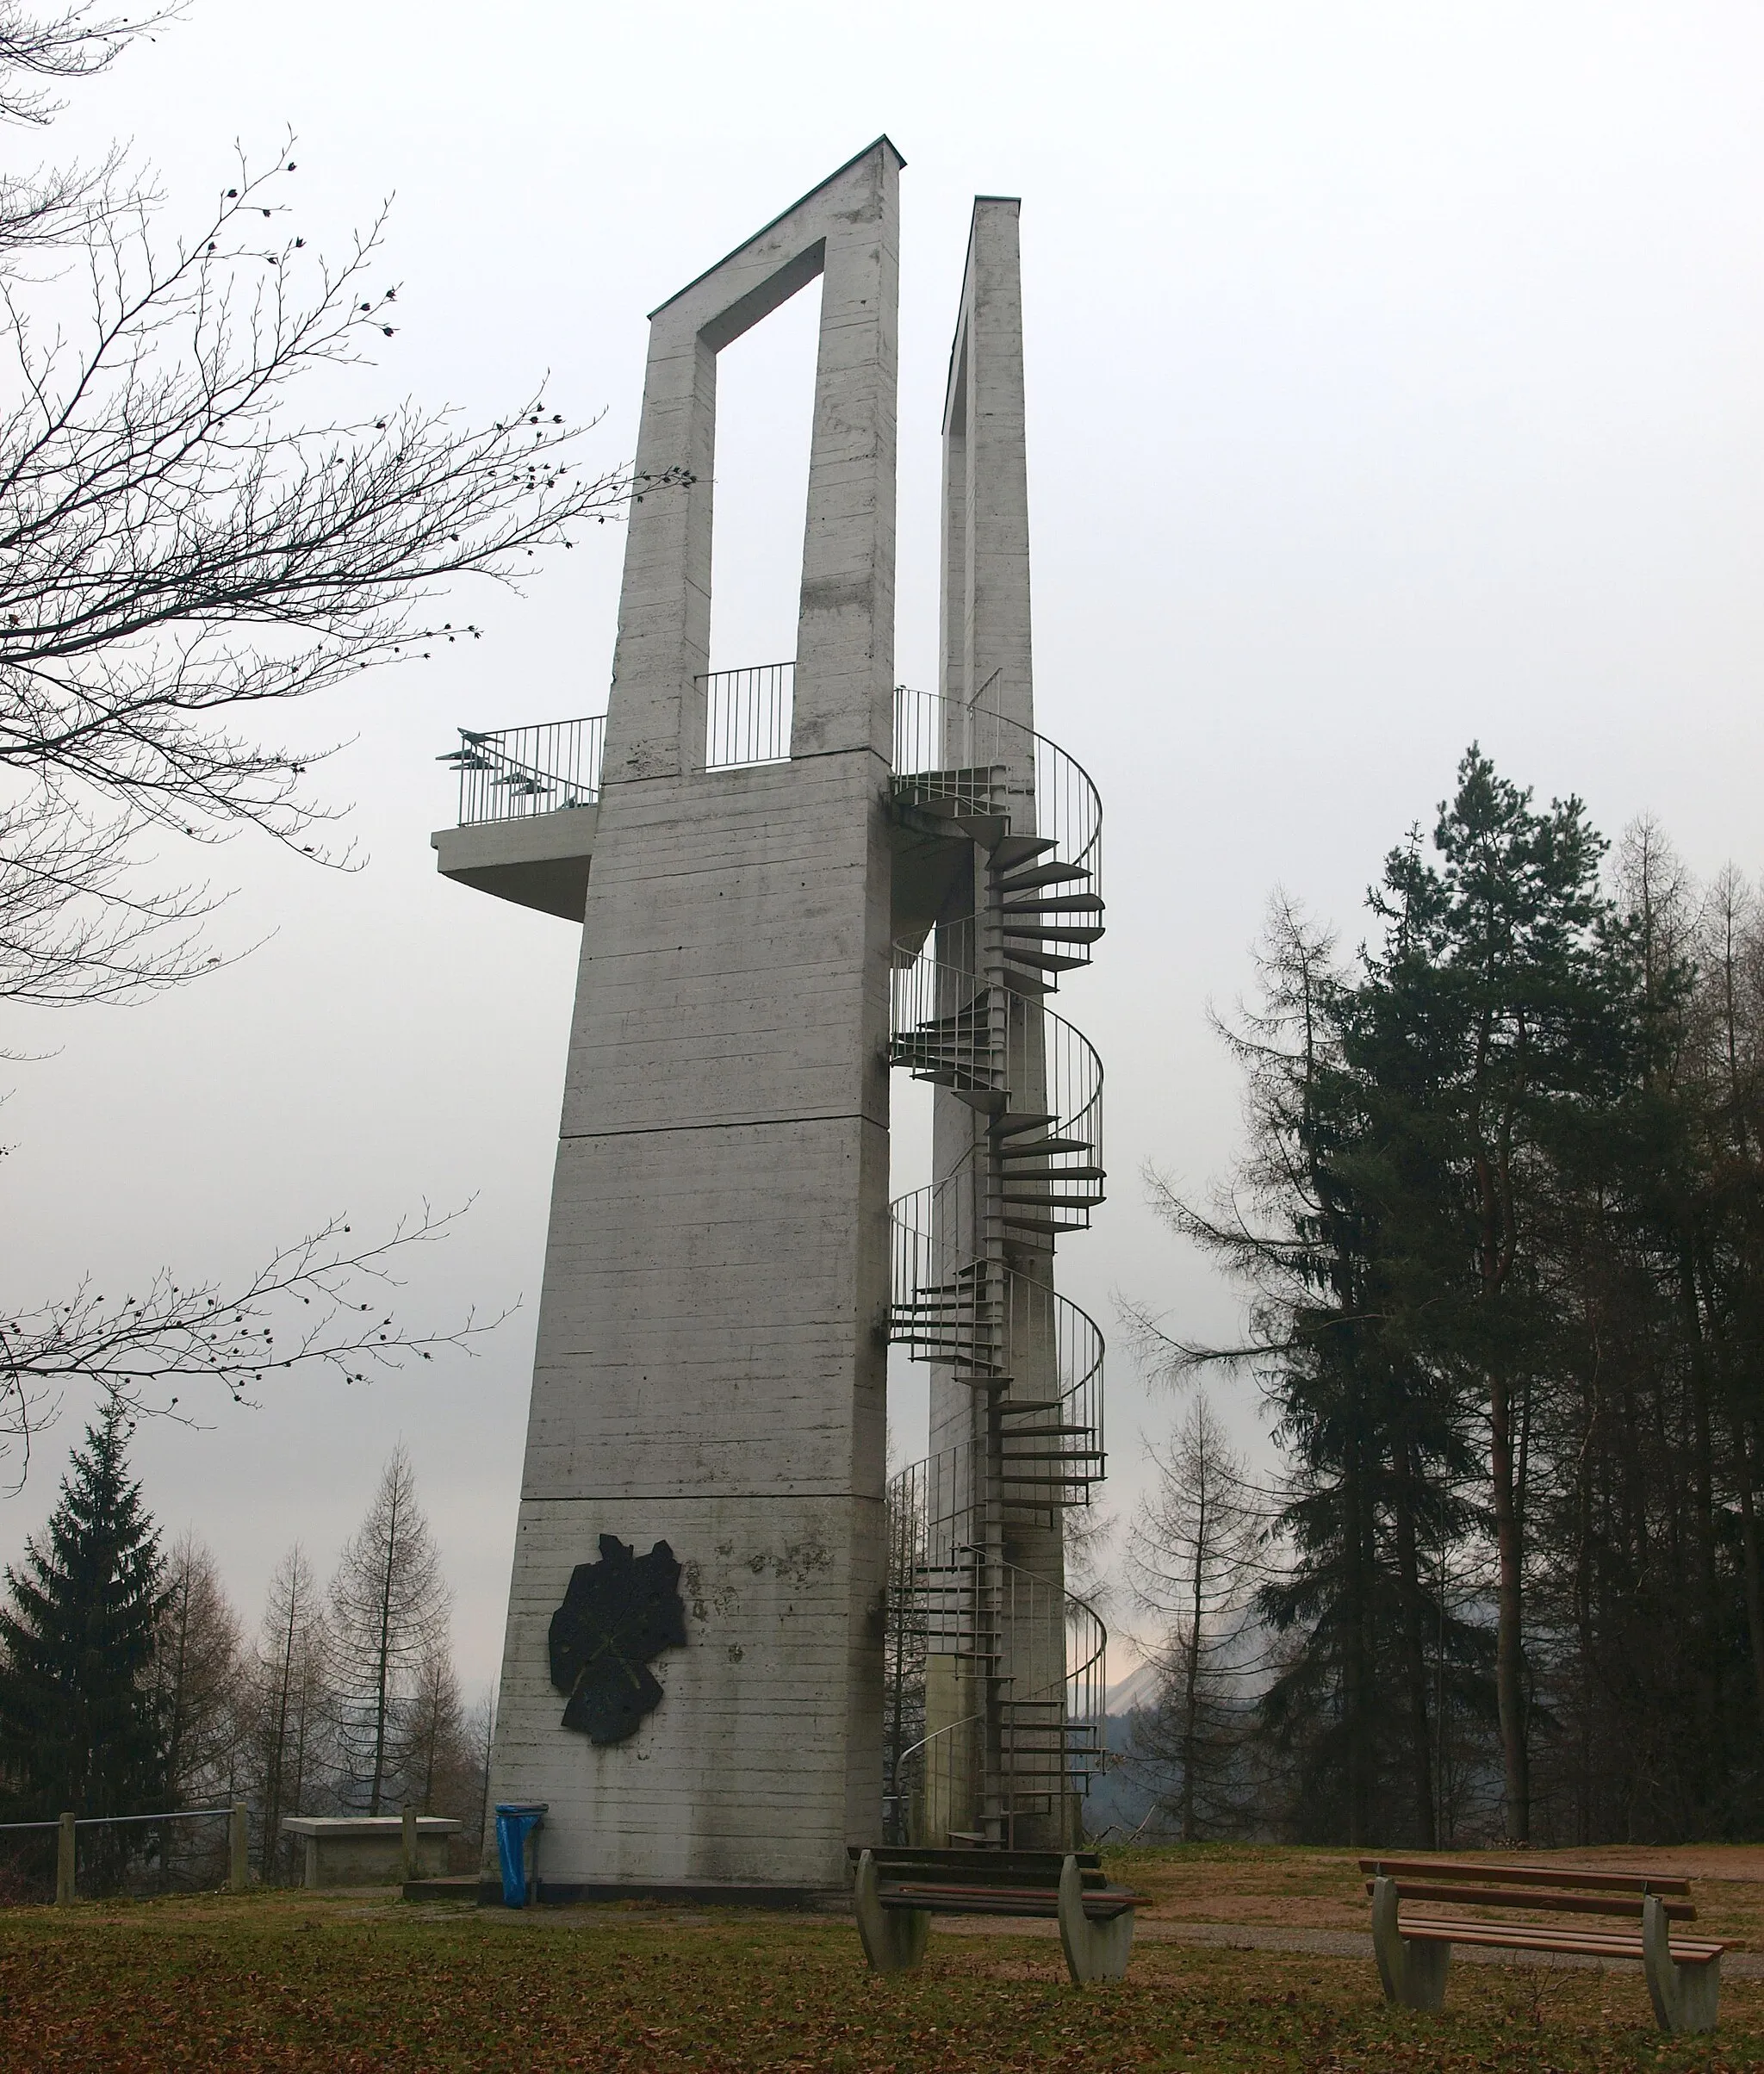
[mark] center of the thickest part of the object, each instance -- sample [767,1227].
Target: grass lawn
[346,1981]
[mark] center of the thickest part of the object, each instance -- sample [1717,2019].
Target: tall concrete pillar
[986,669]
[711,1368]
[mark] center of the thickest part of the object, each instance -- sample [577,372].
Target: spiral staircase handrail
[925,989]
[921,1259]
[925,1742]
[1068,805]
[971,1288]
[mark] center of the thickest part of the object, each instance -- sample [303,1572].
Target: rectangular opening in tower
[765,417]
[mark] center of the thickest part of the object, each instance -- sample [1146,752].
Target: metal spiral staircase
[998,833]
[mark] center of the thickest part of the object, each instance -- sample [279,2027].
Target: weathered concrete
[987,662]
[710,1368]
[368,1850]
[539,861]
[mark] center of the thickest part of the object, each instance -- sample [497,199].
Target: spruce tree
[79,1719]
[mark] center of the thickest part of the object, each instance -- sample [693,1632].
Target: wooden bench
[1684,1973]
[896,1890]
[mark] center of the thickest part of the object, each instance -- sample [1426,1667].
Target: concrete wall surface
[710,1365]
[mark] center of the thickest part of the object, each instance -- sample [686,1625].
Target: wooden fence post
[64,1863]
[238,1849]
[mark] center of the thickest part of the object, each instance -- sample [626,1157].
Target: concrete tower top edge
[885,142]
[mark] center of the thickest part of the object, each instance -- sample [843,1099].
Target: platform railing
[748,714]
[515,773]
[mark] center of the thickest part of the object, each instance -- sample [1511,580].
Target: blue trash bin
[516,1820]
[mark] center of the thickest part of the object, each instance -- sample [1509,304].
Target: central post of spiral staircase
[1001,1759]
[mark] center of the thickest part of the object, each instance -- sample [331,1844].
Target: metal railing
[945,743]
[959,1623]
[519,772]
[939,1029]
[747,715]
[951,1309]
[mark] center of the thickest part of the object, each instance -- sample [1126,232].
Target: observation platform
[529,809]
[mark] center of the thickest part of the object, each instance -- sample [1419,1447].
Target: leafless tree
[434,1757]
[320,1306]
[196,1673]
[288,1699]
[1195,1559]
[179,551]
[388,1616]
[480,1736]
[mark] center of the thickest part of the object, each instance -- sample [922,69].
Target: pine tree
[80,1724]
[1497,1033]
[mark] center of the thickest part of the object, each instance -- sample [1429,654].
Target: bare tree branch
[321,1307]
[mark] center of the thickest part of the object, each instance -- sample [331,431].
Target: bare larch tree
[287,1700]
[1195,1560]
[388,1616]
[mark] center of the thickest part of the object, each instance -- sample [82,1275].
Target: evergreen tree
[1501,1221]
[1495,1036]
[79,1718]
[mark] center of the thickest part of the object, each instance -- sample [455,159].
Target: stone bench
[1684,1972]
[371,1850]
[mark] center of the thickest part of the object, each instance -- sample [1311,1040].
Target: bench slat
[979,1859]
[1524,1898]
[1591,1944]
[999,1901]
[1532,1876]
[991,1893]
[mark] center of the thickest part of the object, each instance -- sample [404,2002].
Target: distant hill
[1138,1689]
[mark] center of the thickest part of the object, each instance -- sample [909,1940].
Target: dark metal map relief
[616,1614]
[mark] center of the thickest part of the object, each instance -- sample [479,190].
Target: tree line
[1500,1220]
[128,1685]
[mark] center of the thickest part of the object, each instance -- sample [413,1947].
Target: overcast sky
[1395,378]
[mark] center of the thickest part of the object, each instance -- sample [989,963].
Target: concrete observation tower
[734,1645]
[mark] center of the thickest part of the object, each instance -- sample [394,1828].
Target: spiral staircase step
[1016,850]
[1063,904]
[1042,1148]
[1012,1123]
[1047,932]
[1037,876]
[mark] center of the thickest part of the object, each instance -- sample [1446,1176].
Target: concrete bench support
[1684,1998]
[893,1939]
[1412,1972]
[1095,1950]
